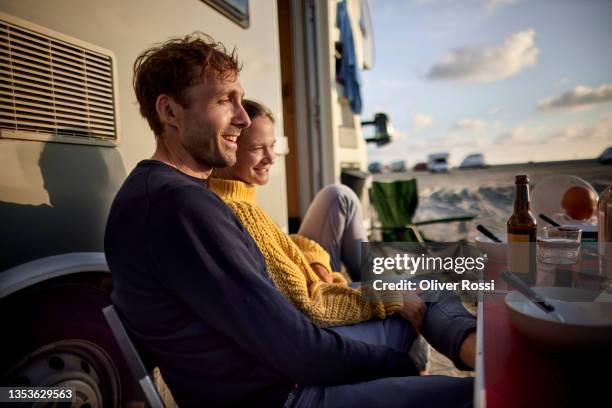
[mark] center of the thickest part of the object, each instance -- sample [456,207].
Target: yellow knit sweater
[288,259]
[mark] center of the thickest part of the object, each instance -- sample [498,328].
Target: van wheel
[61,339]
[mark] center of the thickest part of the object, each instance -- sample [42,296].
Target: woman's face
[255,154]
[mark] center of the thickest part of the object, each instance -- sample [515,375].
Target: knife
[531,295]
[487,233]
[549,220]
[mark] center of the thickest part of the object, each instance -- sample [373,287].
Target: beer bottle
[604,225]
[522,234]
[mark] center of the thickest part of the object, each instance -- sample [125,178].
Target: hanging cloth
[348,70]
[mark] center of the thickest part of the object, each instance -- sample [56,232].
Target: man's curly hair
[174,66]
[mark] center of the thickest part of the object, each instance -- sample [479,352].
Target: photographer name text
[433,284]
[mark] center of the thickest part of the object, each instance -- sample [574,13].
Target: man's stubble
[206,147]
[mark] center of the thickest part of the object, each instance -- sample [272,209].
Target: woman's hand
[322,272]
[414,309]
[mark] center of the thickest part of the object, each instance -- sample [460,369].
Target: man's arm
[202,253]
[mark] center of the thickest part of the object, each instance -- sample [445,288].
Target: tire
[57,335]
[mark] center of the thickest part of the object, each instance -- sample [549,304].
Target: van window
[235,10]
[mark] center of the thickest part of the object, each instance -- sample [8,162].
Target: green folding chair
[395,203]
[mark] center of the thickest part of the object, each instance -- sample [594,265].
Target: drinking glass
[559,245]
[558,250]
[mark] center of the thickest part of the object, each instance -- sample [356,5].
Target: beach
[487,193]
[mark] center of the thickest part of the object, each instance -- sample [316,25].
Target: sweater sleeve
[312,251]
[338,278]
[202,254]
[325,304]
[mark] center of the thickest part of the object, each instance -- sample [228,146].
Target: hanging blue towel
[348,71]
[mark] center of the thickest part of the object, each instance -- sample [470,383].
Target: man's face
[213,121]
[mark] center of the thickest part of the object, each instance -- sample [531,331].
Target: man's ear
[168,110]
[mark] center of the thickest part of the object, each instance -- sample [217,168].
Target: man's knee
[340,193]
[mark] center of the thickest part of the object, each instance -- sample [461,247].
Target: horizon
[516,80]
[453,166]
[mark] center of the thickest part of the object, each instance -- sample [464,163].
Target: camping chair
[395,203]
[140,372]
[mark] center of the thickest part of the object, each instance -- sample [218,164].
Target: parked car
[398,166]
[606,156]
[375,167]
[473,161]
[421,166]
[438,162]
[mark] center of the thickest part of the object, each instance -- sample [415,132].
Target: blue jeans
[445,325]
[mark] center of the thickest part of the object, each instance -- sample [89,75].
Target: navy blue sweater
[193,289]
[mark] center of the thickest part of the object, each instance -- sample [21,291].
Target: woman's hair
[256,109]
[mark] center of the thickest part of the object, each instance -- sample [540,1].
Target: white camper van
[438,162]
[70,132]
[473,161]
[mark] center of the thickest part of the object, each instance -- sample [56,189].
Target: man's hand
[414,309]
[322,272]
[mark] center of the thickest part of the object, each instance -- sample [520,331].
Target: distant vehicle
[398,166]
[606,156]
[421,166]
[438,162]
[375,167]
[473,161]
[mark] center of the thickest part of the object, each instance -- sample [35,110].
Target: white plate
[566,221]
[547,195]
[586,323]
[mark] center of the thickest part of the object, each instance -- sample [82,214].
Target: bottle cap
[522,179]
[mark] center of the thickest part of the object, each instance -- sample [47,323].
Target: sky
[516,80]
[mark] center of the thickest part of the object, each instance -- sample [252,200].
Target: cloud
[470,124]
[600,131]
[452,141]
[493,110]
[420,121]
[581,97]
[520,136]
[488,63]
[525,142]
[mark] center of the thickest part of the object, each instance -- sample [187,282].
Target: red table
[513,372]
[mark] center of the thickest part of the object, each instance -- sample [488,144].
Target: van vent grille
[49,86]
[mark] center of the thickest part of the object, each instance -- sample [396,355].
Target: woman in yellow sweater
[299,267]
[303,270]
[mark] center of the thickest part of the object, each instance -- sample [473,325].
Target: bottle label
[518,253]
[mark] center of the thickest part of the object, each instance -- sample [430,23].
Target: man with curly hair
[191,283]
